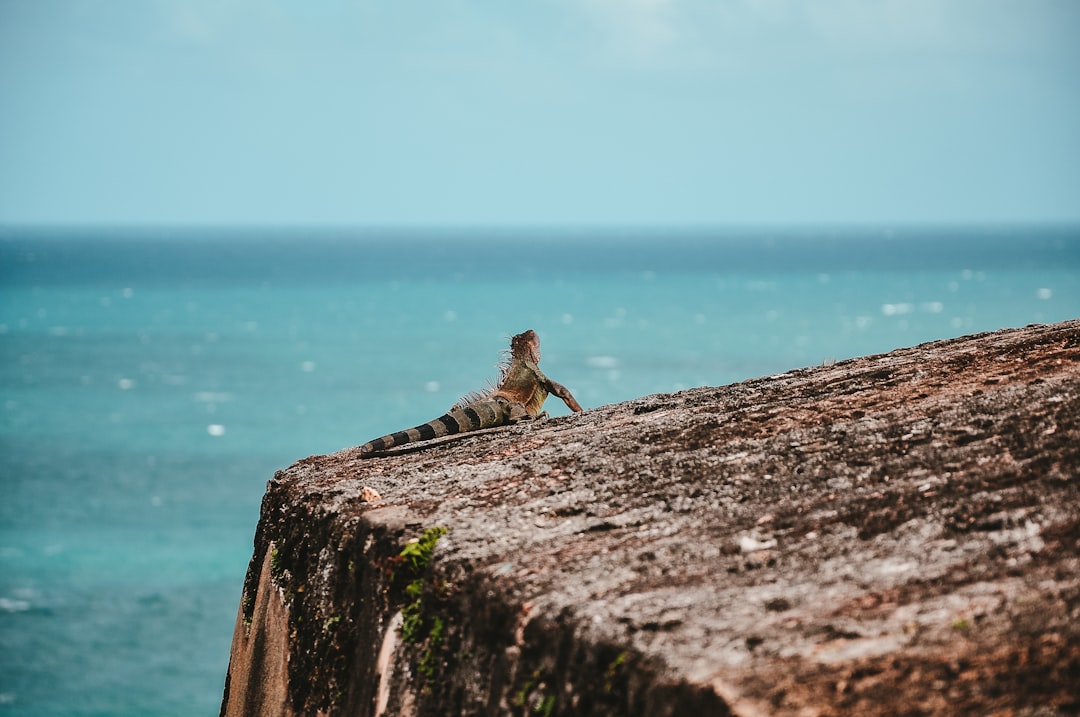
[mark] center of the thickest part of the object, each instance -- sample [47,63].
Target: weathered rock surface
[890,534]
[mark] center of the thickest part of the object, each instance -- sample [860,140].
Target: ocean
[152,380]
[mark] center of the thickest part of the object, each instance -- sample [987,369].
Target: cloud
[197,22]
[691,34]
[636,31]
[725,33]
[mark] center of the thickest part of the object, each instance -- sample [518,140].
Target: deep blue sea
[151,381]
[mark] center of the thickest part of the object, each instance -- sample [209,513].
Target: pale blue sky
[542,112]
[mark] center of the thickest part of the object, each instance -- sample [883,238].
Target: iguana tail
[485,413]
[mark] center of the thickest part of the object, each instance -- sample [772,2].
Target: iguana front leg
[556,389]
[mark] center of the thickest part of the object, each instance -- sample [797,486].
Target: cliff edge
[890,534]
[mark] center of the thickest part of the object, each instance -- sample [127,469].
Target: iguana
[518,396]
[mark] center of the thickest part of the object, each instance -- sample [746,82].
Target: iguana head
[525,347]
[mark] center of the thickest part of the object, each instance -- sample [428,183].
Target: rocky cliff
[890,534]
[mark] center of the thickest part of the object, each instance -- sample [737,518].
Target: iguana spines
[519,395]
[523,382]
[523,347]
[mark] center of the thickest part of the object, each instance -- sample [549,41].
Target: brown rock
[891,534]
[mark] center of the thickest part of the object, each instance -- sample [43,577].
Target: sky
[539,112]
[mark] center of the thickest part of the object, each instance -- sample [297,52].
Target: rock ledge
[890,534]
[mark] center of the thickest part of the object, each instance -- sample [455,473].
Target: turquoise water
[152,381]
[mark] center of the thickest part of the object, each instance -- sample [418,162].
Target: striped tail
[485,413]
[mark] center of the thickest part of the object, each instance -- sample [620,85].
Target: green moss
[546,706]
[436,634]
[532,697]
[416,626]
[275,563]
[523,695]
[417,555]
[612,672]
[429,662]
[413,613]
